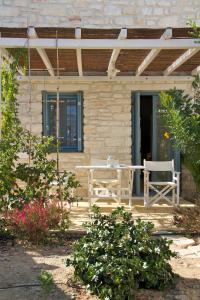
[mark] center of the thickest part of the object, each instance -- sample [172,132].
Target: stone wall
[107,119]
[98,13]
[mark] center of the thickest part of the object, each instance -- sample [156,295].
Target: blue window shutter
[45,125]
[71,119]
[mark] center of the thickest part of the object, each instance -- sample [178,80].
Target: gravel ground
[20,266]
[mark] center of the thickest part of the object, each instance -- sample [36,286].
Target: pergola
[105,54]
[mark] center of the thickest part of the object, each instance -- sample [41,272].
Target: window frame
[46,96]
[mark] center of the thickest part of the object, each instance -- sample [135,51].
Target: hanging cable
[58,120]
[30,97]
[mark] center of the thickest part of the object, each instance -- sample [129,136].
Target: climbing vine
[182,118]
[23,182]
[11,129]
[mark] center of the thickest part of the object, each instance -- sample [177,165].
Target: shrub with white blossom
[117,256]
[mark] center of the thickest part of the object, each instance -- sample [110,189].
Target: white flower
[95,278]
[144,265]
[157,250]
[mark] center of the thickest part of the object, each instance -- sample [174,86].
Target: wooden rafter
[33,35]
[179,61]
[78,52]
[112,71]
[153,53]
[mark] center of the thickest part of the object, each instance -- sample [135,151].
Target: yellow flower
[166,135]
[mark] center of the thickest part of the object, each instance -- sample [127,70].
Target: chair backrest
[98,162]
[159,165]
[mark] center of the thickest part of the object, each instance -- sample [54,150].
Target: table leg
[90,186]
[119,190]
[130,186]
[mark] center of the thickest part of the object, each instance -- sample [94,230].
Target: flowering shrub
[35,220]
[58,217]
[116,256]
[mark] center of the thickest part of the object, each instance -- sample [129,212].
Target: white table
[110,189]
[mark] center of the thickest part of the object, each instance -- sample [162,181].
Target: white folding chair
[161,188]
[104,187]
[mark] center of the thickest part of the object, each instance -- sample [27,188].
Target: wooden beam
[33,35]
[78,52]
[111,67]
[196,71]
[179,61]
[132,79]
[99,43]
[153,53]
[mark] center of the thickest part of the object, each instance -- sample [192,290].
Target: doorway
[146,127]
[148,140]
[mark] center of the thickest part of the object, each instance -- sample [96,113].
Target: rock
[190,252]
[182,242]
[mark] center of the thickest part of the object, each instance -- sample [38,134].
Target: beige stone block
[122,116]
[22,3]
[124,21]
[112,10]
[121,131]
[151,2]
[116,109]
[9,12]
[130,10]
[158,11]
[147,11]
[172,20]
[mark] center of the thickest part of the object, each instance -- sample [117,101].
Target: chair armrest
[176,176]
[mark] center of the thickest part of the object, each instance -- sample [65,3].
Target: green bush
[21,183]
[182,119]
[117,256]
[46,281]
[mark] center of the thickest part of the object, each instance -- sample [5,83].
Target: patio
[160,214]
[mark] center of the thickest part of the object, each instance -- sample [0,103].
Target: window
[70,119]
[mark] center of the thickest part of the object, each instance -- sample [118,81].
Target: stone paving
[160,214]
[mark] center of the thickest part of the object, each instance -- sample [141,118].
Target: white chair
[104,187]
[161,188]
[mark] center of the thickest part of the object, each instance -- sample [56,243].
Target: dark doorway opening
[146,109]
[146,127]
[147,131]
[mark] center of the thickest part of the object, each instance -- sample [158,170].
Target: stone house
[109,59]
